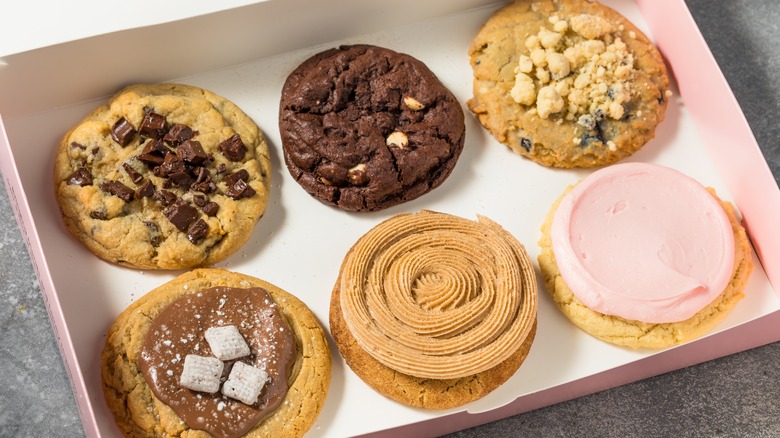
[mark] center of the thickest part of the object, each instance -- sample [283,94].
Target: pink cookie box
[299,243]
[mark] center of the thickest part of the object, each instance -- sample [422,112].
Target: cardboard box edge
[26,224]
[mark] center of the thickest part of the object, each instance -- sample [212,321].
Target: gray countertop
[738,395]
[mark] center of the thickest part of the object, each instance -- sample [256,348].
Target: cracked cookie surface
[364,128]
[165,176]
[638,334]
[136,410]
[568,83]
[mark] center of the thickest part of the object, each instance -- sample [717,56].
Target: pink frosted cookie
[641,255]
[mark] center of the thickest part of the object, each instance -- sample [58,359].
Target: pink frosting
[643,242]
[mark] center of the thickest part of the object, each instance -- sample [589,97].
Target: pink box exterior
[703,88]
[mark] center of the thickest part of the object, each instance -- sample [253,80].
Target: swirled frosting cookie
[216,352]
[641,255]
[164,176]
[365,128]
[567,83]
[433,310]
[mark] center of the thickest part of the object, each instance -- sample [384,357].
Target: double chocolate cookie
[364,128]
[164,176]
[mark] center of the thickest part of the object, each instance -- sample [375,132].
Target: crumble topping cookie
[365,128]
[567,83]
[643,256]
[433,310]
[218,352]
[165,176]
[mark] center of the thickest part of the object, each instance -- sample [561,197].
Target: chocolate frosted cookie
[365,128]
[164,176]
[567,83]
[216,353]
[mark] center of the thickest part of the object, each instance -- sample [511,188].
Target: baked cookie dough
[435,311]
[365,128]
[567,83]
[678,304]
[165,176]
[140,413]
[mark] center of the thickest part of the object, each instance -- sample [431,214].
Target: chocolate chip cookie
[165,176]
[147,362]
[567,83]
[365,128]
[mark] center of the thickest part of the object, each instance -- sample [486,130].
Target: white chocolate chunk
[525,65]
[398,139]
[244,383]
[226,342]
[201,373]
[558,65]
[524,91]
[548,101]
[549,39]
[413,104]
[590,26]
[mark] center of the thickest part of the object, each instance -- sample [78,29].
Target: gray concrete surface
[738,395]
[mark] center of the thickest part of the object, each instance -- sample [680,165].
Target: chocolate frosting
[179,330]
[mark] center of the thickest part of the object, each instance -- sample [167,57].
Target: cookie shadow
[555,347]
[334,400]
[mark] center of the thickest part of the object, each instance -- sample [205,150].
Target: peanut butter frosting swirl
[437,296]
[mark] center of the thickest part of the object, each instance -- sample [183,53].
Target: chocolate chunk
[118,189]
[154,125]
[236,176]
[80,177]
[123,132]
[202,175]
[233,148]
[132,173]
[197,231]
[240,190]
[181,214]
[156,147]
[192,152]
[210,208]
[95,150]
[178,179]
[203,183]
[151,160]
[177,134]
[204,187]
[526,143]
[221,168]
[76,145]
[100,214]
[171,164]
[146,190]
[164,197]
[199,200]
